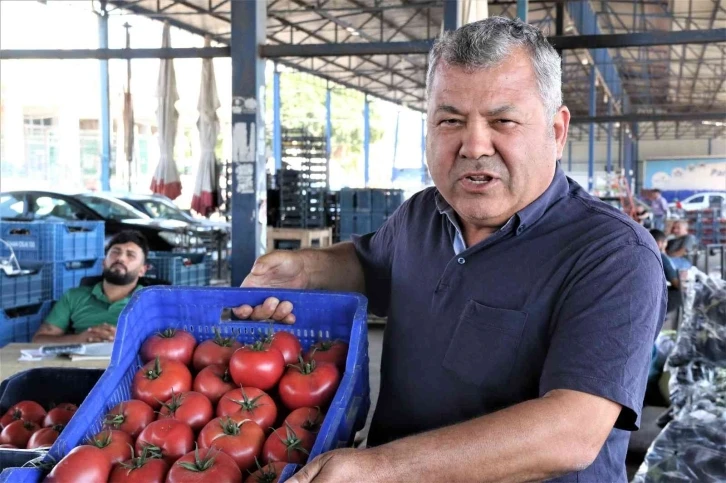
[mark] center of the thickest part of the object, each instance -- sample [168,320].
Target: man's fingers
[265,311]
[243,311]
[290,319]
[283,310]
[308,473]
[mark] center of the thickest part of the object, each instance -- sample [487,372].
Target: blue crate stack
[366,210]
[185,269]
[53,258]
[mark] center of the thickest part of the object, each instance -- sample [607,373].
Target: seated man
[681,245]
[671,273]
[90,314]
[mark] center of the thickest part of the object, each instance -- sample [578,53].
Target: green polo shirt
[84,307]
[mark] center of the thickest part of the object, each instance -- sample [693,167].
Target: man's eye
[505,121]
[450,122]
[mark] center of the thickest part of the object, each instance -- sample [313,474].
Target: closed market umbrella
[128,114]
[166,177]
[205,200]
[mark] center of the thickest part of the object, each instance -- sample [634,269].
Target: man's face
[491,150]
[680,229]
[662,245]
[124,264]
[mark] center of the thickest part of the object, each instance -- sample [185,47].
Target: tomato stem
[167,333]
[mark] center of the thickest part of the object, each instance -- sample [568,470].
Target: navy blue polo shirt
[569,294]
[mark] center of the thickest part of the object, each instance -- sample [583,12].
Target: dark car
[163,235]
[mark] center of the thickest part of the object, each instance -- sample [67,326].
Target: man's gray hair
[488,42]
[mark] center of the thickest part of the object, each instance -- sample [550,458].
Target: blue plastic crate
[172,268]
[17,458]
[363,200]
[378,200]
[354,223]
[25,288]
[319,315]
[377,220]
[362,224]
[393,201]
[19,324]
[54,241]
[68,275]
[347,199]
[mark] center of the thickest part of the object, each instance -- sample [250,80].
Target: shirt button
[520,229]
[461,260]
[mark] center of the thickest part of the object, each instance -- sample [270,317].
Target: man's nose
[477,141]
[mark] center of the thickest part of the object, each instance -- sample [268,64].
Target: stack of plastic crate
[39,261]
[303,180]
[185,269]
[366,210]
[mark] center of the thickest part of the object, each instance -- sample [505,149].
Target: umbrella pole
[129,155]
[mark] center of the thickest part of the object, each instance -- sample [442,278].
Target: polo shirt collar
[529,215]
[97,292]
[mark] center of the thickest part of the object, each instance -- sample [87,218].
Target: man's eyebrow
[449,109]
[501,110]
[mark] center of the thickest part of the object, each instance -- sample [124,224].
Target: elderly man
[521,311]
[682,245]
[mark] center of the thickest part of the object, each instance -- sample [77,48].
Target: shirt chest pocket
[485,344]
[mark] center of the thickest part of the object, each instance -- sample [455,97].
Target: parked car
[163,235]
[701,201]
[159,206]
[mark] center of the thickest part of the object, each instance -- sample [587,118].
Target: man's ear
[143,269]
[561,126]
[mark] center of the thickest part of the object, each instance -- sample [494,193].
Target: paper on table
[95,351]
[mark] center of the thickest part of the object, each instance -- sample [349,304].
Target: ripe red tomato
[214,381]
[288,344]
[171,344]
[307,418]
[115,444]
[170,437]
[268,473]
[27,410]
[249,403]
[333,351]
[190,407]
[60,414]
[142,469]
[257,366]
[18,433]
[214,351]
[44,437]
[158,379]
[203,465]
[84,464]
[242,440]
[130,417]
[289,444]
[309,384]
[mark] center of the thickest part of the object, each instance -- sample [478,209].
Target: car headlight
[173,239]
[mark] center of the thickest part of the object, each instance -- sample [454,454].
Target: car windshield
[159,209]
[110,209]
[11,206]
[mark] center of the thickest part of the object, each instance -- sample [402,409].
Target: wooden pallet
[286,238]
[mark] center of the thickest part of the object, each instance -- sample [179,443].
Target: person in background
[659,206]
[90,314]
[669,269]
[681,245]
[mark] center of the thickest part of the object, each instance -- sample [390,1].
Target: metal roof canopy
[669,55]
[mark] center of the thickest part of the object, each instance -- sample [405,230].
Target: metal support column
[450,14]
[276,120]
[522,10]
[591,137]
[249,183]
[710,146]
[609,161]
[395,145]
[366,139]
[328,128]
[105,102]
[635,165]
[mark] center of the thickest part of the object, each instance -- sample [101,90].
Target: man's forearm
[334,268]
[531,441]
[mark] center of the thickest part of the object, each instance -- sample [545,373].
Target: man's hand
[98,333]
[280,269]
[345,465]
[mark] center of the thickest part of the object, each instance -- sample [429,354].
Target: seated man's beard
[117,278]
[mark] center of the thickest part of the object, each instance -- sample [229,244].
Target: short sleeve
[60,315]
[604,329]
[375,253]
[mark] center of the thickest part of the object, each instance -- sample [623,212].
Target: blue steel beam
[569,157]
[366,139]
[522,10]
[328,123]
[105,102]
[395,145]
[276,120]
[450,14]
[591,139]
[423,149]
[248,138]
[609,159]
[104,53]
[635,164]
